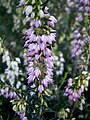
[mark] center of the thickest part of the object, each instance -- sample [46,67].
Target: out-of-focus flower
[75,91]
[28,10]
[41,89]
[22,3]
[59,64]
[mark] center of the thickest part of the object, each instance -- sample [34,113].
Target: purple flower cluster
[81,35]
[40,38]
[8,94]
[72,95]
[79,42]
[75,89]
[83,6]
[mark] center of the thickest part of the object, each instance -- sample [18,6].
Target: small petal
[48,52]
[37,72]
[31,78]
[22,3]
[45,83]
[41,89]
[37,23]
[42,46]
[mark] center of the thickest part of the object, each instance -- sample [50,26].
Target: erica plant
[80,50]
[81,42]
[40,37]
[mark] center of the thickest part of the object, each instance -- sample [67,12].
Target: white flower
[28,10]
[24,87]
[68,110]
[84,72]
[82,86]
[18,84]
[62,65]
[83,101]
[60,72]
[10,76]
[57,72]
[33,15]
[33,86]
[61,55]
[41,13]
[46,9]
[62,59]
[18,60]
[14,64]
[58,63]
[2,91]
[56,57]
[81,107]
[5,57]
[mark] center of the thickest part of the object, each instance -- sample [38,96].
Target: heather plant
[44,60]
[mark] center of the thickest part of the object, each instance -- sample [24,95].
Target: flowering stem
[41,116]
[73,109]
[41,107]
[63,81]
